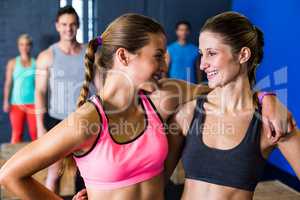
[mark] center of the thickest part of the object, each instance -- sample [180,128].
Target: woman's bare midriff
[147,190]
[199,190]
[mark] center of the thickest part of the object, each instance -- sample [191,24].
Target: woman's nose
[203,64]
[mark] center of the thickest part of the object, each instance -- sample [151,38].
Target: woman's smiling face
[217,60]
[149,61]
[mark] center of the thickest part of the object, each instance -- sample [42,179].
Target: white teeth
[212,73]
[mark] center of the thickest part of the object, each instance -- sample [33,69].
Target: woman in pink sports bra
[117,137]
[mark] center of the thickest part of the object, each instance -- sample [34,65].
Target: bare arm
[178,127]
[41,83]
[172,93]
[63,139]
[175,143]
[290,148]
[8,84]
[277,120]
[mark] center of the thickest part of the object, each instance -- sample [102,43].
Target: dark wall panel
[34,17]
[196,12]
[167,12]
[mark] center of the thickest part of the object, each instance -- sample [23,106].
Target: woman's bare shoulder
[11,63]
[87,117]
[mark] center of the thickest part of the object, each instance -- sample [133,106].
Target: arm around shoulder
[172,93]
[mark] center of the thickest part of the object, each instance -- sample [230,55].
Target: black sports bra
[240,167]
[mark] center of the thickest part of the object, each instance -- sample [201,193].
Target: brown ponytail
[258,55]
[89,60]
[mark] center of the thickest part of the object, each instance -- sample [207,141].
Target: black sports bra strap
[199,109]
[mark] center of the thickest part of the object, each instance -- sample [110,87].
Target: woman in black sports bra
[226,145]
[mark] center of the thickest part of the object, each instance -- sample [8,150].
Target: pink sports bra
[111,165]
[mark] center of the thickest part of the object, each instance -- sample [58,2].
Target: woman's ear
[244,55]
[122,55]
[57,26]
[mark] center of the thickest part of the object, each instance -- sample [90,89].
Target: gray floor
[275,190]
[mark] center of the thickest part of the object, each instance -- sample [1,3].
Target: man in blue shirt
[183,57]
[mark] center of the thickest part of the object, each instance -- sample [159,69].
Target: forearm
[192,91]
[201,90]
[29,189]
[290,148]
[175,143]
[6,92]
[40,108]
[183,91]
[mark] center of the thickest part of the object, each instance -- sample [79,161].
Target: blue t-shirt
[183,60]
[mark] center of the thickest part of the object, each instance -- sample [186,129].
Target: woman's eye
[159,57]
[211,53]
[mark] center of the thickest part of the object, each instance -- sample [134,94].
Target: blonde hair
[25,36]
[129,31]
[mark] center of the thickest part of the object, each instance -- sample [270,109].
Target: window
[90,20]
[63,3]
[78,6]
[84,10]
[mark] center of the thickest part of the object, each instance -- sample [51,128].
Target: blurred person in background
[183,57]
[59,76]
[19,87]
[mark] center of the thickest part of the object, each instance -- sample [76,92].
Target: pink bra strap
[150,107]
[98,103]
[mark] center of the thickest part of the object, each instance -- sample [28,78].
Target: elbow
[4,178]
